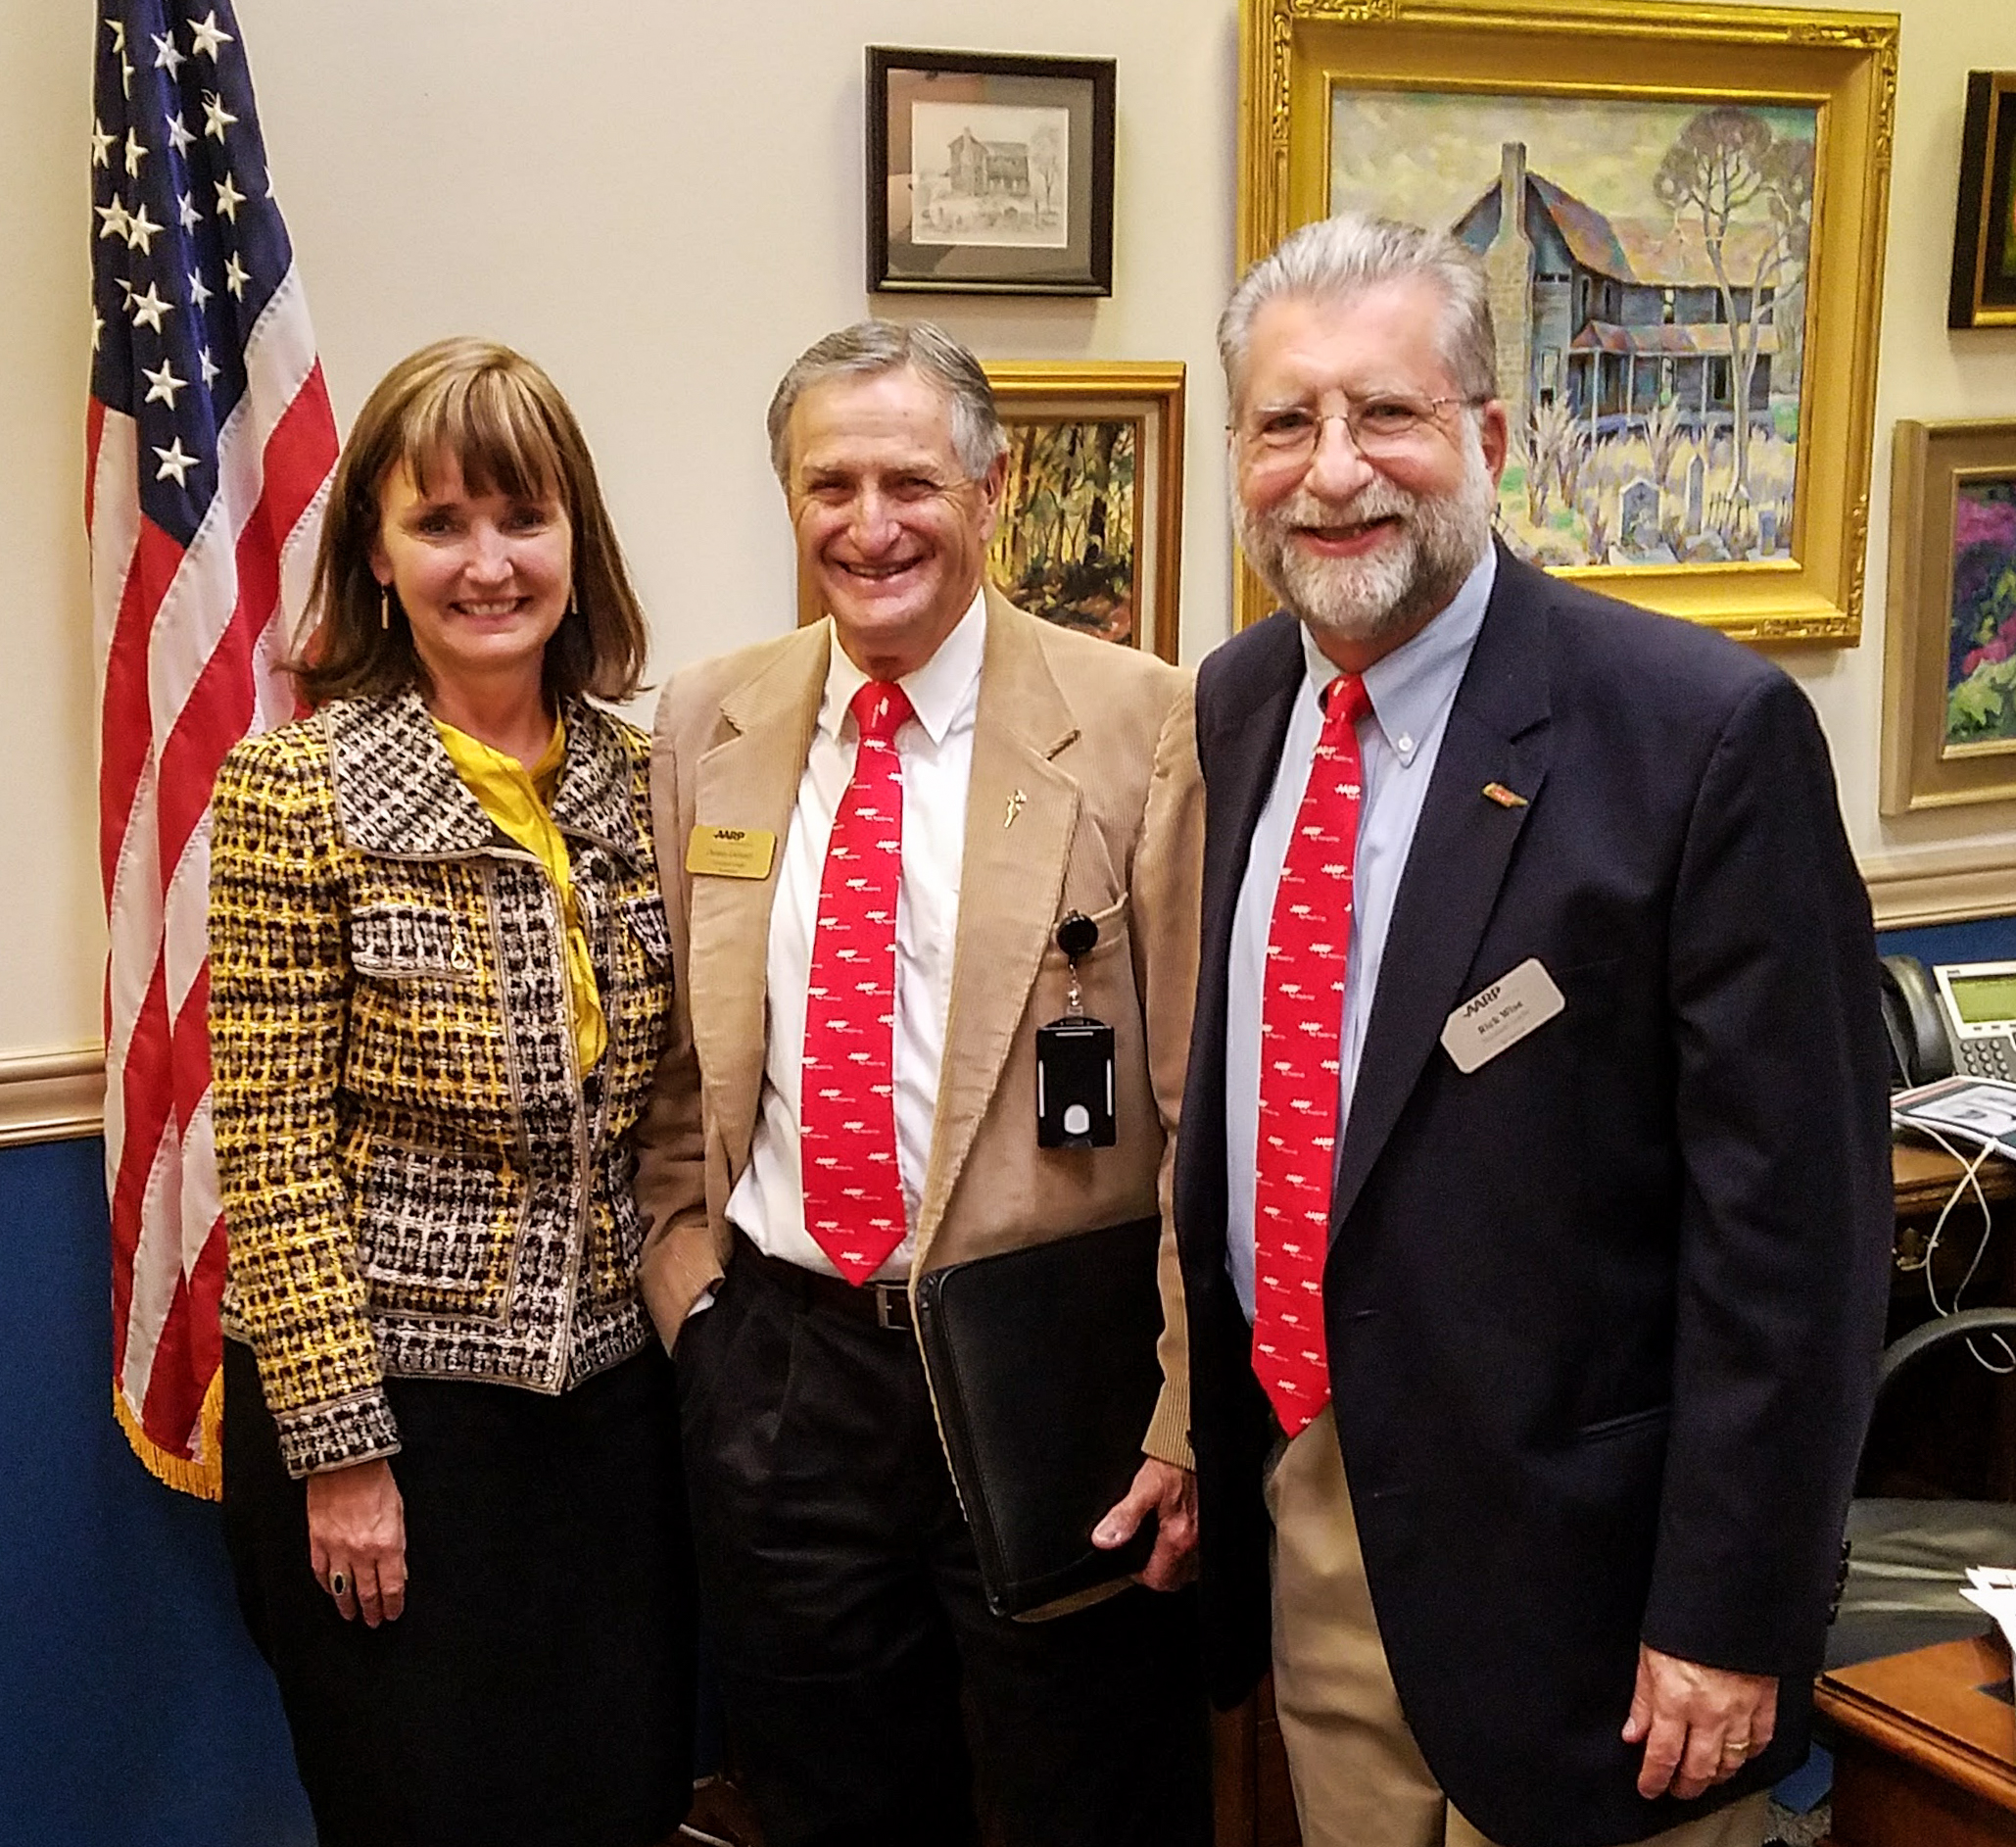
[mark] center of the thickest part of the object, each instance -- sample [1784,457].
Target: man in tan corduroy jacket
[870,1692]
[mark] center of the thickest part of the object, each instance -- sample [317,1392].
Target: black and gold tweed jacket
[416,1180]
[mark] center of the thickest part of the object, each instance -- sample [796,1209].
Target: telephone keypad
[1987,1058]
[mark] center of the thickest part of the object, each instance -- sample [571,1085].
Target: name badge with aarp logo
[731,853]
[1075,1061]
[1503,1014]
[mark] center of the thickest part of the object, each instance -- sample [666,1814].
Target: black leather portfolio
[1043,1365]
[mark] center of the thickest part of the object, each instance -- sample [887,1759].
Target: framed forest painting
[1090,530]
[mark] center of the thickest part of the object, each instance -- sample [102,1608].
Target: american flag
[211,446]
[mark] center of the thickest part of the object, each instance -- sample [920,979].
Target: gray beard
[1398,588]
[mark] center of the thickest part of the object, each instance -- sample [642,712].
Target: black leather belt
[884,1306]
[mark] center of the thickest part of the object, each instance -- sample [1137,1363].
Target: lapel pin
[1503,796]
[1016,803]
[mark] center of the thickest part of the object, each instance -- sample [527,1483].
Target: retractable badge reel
[1074,1059]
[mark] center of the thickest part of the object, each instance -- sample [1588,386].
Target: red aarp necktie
[1301,1038]
[847,1111]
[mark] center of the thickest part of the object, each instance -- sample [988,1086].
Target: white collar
[937,690]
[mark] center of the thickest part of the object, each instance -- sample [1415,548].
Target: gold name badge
[731,853]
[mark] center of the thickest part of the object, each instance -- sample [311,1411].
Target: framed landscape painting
[1950,666]
[1679,210]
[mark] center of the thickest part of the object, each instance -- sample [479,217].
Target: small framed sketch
[1091,522]
[1949,630]
[989,175]
[1984,237]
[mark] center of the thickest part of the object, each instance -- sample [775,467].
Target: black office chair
[1908,1559]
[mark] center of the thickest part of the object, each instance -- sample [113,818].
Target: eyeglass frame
[1252,444]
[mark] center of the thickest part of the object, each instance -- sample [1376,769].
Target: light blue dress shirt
[1412,691]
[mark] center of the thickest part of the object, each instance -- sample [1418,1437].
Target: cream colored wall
[663,204]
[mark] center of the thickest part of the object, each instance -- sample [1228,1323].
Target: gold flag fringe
[202,1477]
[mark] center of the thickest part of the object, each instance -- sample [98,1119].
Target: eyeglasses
[1385,425]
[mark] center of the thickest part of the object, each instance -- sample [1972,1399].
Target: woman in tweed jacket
[438,980]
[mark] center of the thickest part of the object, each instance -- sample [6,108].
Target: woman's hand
[356,1539]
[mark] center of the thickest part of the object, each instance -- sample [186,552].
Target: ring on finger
[339,1585]
[1738,1747]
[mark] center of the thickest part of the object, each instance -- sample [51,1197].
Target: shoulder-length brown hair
[505,425]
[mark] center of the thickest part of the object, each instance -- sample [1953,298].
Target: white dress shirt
[936,751]
[1412,691]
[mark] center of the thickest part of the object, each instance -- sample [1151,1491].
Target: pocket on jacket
[1608,1429]
[438,1231]
[391,942]
[645,917]
[1105,994]
[1113,928]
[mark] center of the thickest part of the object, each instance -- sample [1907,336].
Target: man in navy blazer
[1606,1251]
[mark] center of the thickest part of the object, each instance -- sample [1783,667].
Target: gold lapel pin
[1016,803]
[1503,796]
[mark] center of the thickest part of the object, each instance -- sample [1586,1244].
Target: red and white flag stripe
[189,638]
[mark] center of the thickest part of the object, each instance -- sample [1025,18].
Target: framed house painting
[1091,529]
[1680,210]
[989,175]
[1949,654]
[1984,237]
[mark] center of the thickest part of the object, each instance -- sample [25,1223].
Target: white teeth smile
[874,574]
[488,608]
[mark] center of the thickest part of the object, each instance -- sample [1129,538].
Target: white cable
[1969,1181]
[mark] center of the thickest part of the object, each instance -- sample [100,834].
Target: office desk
[1924,1759]
[1922,1176]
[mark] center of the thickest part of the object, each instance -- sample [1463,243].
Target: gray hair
[872,347]
[1343,255]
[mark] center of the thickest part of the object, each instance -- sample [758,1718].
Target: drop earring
[384,607]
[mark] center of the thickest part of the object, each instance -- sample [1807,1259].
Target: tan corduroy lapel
[1020,813]
[749,780]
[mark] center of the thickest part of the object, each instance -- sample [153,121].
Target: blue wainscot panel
[1983,939]
[137,1714]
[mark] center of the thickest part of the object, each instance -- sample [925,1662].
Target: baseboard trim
[52,1095]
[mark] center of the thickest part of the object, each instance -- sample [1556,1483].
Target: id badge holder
[1074,1100]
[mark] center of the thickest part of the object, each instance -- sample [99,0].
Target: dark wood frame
[1988,175]
[1084,267]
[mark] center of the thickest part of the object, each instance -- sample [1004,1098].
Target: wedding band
[339,1585]
[1741,1746]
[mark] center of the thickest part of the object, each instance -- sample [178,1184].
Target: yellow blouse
[516,800]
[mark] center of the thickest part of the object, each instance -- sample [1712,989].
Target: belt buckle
[892,1307]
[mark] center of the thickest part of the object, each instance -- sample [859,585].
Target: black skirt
[538,1690]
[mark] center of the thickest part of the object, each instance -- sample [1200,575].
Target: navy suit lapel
[1248,734]
[1497,733]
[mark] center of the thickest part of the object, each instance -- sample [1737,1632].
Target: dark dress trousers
[1602,1315]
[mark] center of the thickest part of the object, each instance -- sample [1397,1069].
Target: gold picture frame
[1095,449]
[1774,558]
[1949,669]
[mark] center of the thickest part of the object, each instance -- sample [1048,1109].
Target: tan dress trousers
[1360,1778]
